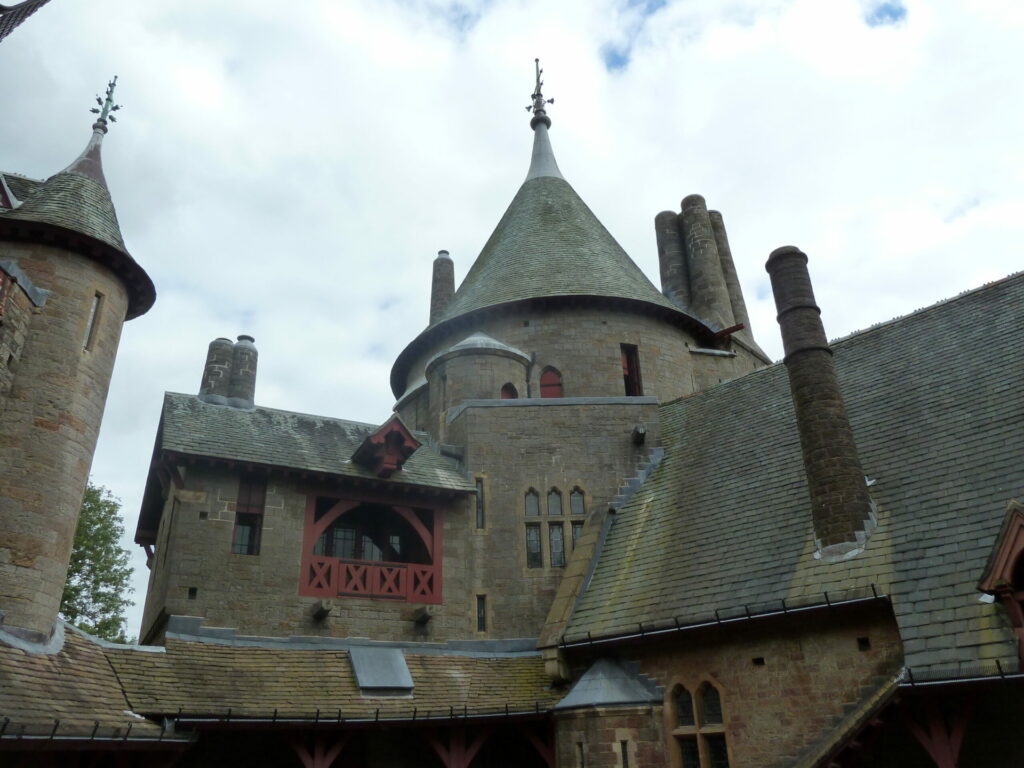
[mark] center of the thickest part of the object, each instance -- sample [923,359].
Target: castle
[601,528]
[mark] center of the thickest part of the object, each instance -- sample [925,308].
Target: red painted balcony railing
[407,582]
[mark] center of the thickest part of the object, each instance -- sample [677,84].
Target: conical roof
[549,243]
[76,201]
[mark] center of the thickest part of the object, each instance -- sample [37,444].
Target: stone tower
[544,370]
[67,284]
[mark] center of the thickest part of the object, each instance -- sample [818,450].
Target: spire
[542,163]
[88,163]
[76,202]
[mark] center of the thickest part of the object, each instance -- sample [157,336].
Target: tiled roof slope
[207,678]
[549,243]
[287,439]
[75,686]
[21,186]
[72,201]
[937,409]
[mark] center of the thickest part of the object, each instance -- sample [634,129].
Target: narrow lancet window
[94,318]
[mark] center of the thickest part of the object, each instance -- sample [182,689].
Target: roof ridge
[930,307]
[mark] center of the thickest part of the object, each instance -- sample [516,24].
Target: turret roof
[549,243]
[76,202]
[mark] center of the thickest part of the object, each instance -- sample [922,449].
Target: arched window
[698,727]
[532,503]
[550,383]
[576,505]
[509,392]
[555,502]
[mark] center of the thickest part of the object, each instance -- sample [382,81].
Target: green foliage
[96,593]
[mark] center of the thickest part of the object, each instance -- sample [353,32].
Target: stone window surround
[675,733]
[543,514]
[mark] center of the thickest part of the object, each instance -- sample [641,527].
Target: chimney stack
[213,388]
[242,389]
[732,280]
[229,376]
[443,286]
[841,508]
[675,281]
[709,295]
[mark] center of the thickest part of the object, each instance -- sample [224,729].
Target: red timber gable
[1004,572]
[361,549]
[386,450]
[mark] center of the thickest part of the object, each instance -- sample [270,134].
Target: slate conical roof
[549,243]
[76,202]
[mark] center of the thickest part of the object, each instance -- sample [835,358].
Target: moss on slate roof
[293,440]
[549,243]
[208,678]
[937,409]
[75,685]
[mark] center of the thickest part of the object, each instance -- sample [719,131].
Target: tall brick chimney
[443,285]
[841,509]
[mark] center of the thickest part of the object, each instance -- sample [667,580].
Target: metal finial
[539,113]
[107,106]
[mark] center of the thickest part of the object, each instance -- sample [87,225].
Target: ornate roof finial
[107,106]
[540,115]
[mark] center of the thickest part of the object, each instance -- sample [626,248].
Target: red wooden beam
[941,738]
[458,753]
[545,749]
[322,750]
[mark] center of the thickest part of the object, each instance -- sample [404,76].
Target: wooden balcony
[331,577]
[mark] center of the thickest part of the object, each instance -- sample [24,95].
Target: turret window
[95,309]
[631,370]
[509,392]
[550,383]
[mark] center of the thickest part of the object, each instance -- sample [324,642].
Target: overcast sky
[289,170]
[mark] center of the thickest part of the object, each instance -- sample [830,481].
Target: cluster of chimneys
[229,376]
[697,271]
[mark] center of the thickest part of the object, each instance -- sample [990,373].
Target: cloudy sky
[289,170]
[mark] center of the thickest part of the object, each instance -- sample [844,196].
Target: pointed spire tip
[540,115]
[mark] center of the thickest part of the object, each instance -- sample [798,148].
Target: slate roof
[209,678]
[294,440]
[90,683]
[76,686]
[77,201]
[937,409]
[549,243]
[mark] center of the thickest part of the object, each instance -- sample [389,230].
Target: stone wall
[784,684]
[195,572]
[515,445]
[49,423]
[584,345]
[600,734]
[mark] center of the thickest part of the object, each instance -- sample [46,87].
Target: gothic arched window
[509,392]
[550,383]
[698,728]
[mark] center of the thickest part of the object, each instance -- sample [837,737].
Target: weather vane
[107,105]
[538,98]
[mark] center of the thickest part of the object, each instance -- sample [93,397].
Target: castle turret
[76,284]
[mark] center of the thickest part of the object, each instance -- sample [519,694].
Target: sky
[290,170]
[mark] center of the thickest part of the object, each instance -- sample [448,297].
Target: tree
[96,593]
